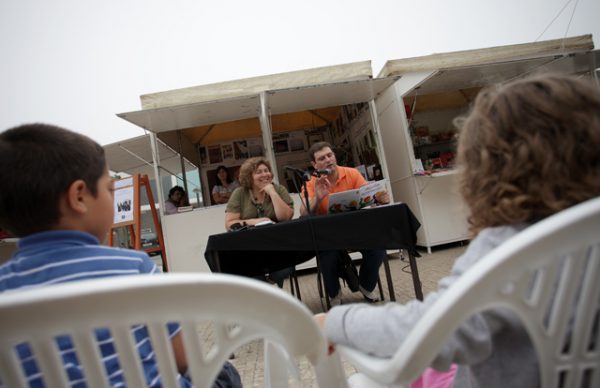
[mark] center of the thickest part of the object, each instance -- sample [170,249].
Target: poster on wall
[255,147]
[280,143]
[227,150]
[203,156]
[280,146]
[214,154]
[314,138]
[240,149]
[296,141]
[123,204]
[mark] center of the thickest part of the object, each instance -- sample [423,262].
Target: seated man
[319,188]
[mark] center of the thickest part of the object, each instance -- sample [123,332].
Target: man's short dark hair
[38,164]
[318,146]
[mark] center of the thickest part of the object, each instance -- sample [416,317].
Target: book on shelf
[356,198]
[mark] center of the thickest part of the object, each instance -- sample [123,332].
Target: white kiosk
[397,125]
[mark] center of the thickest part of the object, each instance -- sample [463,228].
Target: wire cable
[553,20]
[569,25]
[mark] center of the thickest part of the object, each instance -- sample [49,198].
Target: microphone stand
[306,201]
[322,291]
[305,178]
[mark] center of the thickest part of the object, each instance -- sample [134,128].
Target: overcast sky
[76,63]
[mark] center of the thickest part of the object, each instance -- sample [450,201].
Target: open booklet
[356,198]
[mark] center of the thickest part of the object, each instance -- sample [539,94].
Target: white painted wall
[435,201]
[186,235]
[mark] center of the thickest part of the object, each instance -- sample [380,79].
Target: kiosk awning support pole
[267,134]
[156,160]
[380,151]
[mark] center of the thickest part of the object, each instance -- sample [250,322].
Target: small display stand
[128,214]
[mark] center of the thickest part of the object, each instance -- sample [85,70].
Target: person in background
[259,200]
[319,188]
[62,223]
[224,185]
[177,198]
[527,150]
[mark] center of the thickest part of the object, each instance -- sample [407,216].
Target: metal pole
[379,140]
[185,186]
[267,134]
[156,160]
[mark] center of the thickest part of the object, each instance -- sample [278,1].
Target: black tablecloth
[269,248]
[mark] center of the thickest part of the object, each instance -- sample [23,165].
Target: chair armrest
[381,370]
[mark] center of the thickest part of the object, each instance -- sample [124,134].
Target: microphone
[305,175]
[325,171]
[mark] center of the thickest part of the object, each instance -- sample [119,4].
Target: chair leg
[380,288]
[320,285]
[295,275]
[388,276]
[292,287]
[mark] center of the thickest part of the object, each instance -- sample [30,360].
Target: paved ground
[249,359]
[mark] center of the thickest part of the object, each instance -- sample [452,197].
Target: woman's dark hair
[217,180]
[39,163]
[530,148]
[175,189]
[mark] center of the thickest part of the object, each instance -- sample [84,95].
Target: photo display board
[124,202]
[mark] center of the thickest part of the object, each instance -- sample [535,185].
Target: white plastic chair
[520,275]
[240,310]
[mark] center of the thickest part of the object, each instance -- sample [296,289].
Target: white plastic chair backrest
[239,309]
[521,275]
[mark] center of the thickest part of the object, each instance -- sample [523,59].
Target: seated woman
[259,200]
[224,186]
[177,198]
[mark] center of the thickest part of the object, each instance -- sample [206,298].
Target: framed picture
[227,150]
[314,138]
[203,155]
[296,144]
[281,146]
[214,154]
[240,149]
[255,147]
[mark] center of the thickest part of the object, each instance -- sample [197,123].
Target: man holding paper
[319,188]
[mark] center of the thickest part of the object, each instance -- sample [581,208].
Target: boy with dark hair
[57,196]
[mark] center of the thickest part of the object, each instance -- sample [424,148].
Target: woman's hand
[269,190]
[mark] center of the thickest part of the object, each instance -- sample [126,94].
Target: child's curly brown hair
[530,148]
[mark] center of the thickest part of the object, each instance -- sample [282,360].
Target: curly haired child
[528,149]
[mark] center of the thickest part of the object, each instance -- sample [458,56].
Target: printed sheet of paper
[123,205]
[357,198]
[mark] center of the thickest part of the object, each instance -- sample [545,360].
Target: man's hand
[322,187]
[382,197]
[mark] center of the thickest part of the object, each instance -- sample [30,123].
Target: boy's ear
[76,196]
